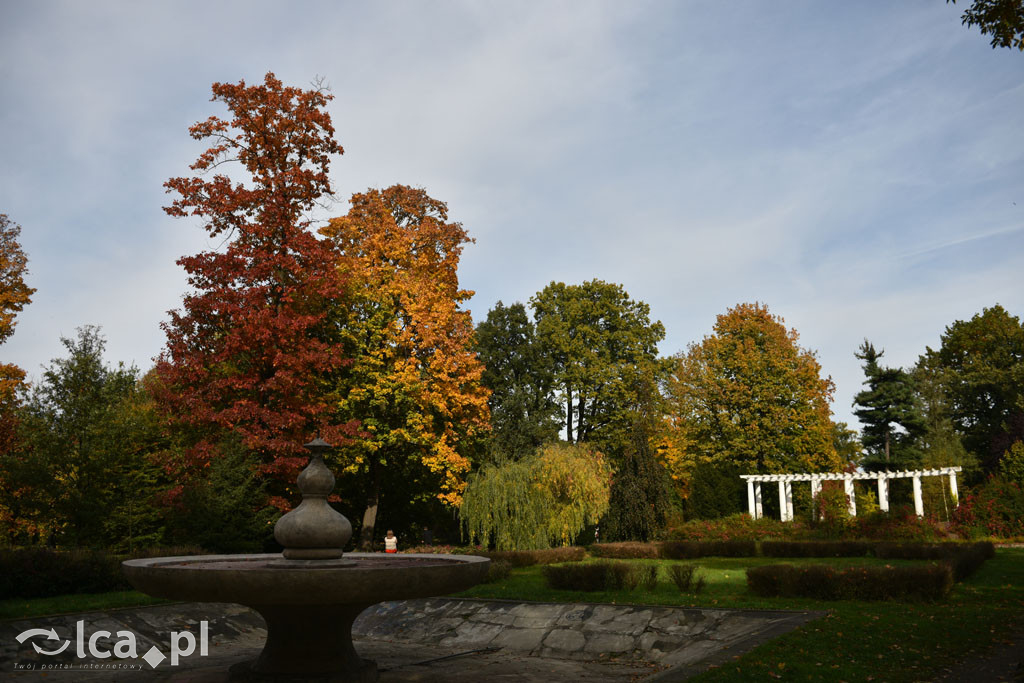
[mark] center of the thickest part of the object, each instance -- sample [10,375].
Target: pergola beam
[785,482]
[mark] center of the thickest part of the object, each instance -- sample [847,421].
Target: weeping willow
[542,500]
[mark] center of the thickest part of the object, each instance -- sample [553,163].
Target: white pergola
[785,482]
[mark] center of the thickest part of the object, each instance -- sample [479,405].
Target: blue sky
[858,167]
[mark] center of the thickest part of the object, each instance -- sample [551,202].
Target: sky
[857,167]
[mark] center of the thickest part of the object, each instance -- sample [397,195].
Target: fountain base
[308,605]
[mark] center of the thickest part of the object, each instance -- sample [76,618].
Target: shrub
[814,548]
[901,524]
[42,572]
[498,571]
[528,558]
[649,576]
[996,509]
[686,578]
[685,550]
[623,575]
[625,550]
[963,558]
[593,576]
[821,582]
[740,526]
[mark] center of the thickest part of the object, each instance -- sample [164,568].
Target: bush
[626,550]
[42,572]
[821,582]
[814,548]
[528,558]
[685,550]
[593,576]
[686,578]
[498,571]
[994,509]
[649,576]
[623,576]
[901,524]
[740,526]
[963,558]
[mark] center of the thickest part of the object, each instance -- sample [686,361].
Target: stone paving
[419,640]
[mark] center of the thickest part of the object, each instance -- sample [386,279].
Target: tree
[543,499]
[14,296]
[748,397]
[88,436]
[641,497]
[414,380]
[890,412]
[848,445]
[1001,19]
[520,377]
[599,341]
[980,368]
[251,350]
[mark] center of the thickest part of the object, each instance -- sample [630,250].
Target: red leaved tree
[250,351]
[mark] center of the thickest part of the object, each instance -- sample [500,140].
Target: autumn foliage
[250,350]
[749,397]
[14,296]
[414,382]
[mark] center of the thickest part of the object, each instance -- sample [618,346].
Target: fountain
[310,594]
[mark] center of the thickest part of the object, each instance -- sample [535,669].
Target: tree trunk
[370,516]
[568,413]
[887,446]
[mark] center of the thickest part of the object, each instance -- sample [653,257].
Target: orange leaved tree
[414,380]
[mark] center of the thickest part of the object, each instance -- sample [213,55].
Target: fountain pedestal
[308,598]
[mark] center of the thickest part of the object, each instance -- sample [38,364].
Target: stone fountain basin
[260,580]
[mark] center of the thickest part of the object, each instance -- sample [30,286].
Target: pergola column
[750,499]
[850,496]
[815,491]
[883,493]
[789,500]
[758,510]
[952,488]
[785,500]
[918,502]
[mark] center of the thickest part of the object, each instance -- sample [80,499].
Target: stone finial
[314,530]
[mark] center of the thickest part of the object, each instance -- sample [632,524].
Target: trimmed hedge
[626,550]
[593,576]
[685,550]
[42,572]
[815,548]
[963,558]
[821,582]
[528,558]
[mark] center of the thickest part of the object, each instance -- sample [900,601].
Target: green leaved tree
[524,412]
[749,399]
[980,370]
[600,343]
[890,413]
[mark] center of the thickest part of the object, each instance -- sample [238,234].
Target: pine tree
[890,413]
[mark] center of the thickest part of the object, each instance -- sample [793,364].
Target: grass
[857,641]
[726,585]
[21,608]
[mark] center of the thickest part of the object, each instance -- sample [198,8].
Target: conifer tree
[890,413]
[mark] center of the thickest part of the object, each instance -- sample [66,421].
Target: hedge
[42,572]
[822,582]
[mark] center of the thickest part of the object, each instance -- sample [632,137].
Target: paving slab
[443,639]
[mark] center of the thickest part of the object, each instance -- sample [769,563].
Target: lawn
[857,641]
[21,608]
